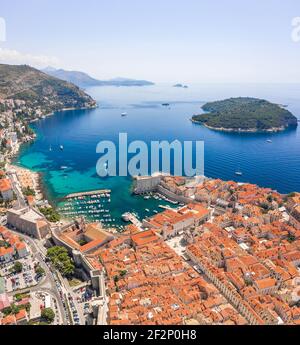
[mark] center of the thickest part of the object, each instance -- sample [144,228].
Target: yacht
[124,114]
[61,147]
[269,141]
[238,173]
[125,217]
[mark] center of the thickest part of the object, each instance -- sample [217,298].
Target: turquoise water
[275,165]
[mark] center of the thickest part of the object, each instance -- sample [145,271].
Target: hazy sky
[158,40]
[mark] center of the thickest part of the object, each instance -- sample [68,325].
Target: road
[48,284]
[17,189]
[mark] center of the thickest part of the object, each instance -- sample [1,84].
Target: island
[245,114]
[180,85]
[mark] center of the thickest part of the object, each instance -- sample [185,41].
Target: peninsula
[33,93]
[245,114]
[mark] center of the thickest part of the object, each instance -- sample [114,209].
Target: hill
[40,91]
[83,80]
[245,114]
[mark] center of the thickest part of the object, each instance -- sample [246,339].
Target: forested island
[245,114]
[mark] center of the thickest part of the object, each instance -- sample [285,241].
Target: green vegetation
[50,213]
[291,238]
[82,242]
[245,114]
[17,267]
[123,273]
[19,296]
[28,191]
[39,270]
[14,309]
[48,315]
[61,260]
[40,90]
[74,282]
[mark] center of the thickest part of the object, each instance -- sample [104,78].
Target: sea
[273,164]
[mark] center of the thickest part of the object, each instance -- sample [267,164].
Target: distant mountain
[39,90]
[83,80]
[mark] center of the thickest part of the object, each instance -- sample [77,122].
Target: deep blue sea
[275,165]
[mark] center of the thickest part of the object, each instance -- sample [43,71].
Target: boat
[63,167]
[147,210]
[269,141]
[61,147]
[238,173]
[124,114]
[165,104]
[147,197]
[125,217]
[50,148]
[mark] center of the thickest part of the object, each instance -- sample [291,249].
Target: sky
[159,40]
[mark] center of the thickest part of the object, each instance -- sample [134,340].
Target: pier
[130,217]
[90,193]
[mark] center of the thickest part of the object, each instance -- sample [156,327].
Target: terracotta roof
[5,185]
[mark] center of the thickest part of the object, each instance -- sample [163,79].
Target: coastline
[241,130]
[63,109]
[37,176]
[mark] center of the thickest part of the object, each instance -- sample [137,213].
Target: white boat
[124,114]
[61,147]
[126,216]
[269,141]
[238,173]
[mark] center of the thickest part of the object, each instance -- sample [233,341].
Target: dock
[134,220]
[83,194]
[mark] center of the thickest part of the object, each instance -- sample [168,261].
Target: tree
[28,191]
[60,258]
[39,270]
[51,214]
[18,267]
[291,238]
[48,315]
[123,273]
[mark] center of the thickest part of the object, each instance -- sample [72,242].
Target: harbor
[97,206]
